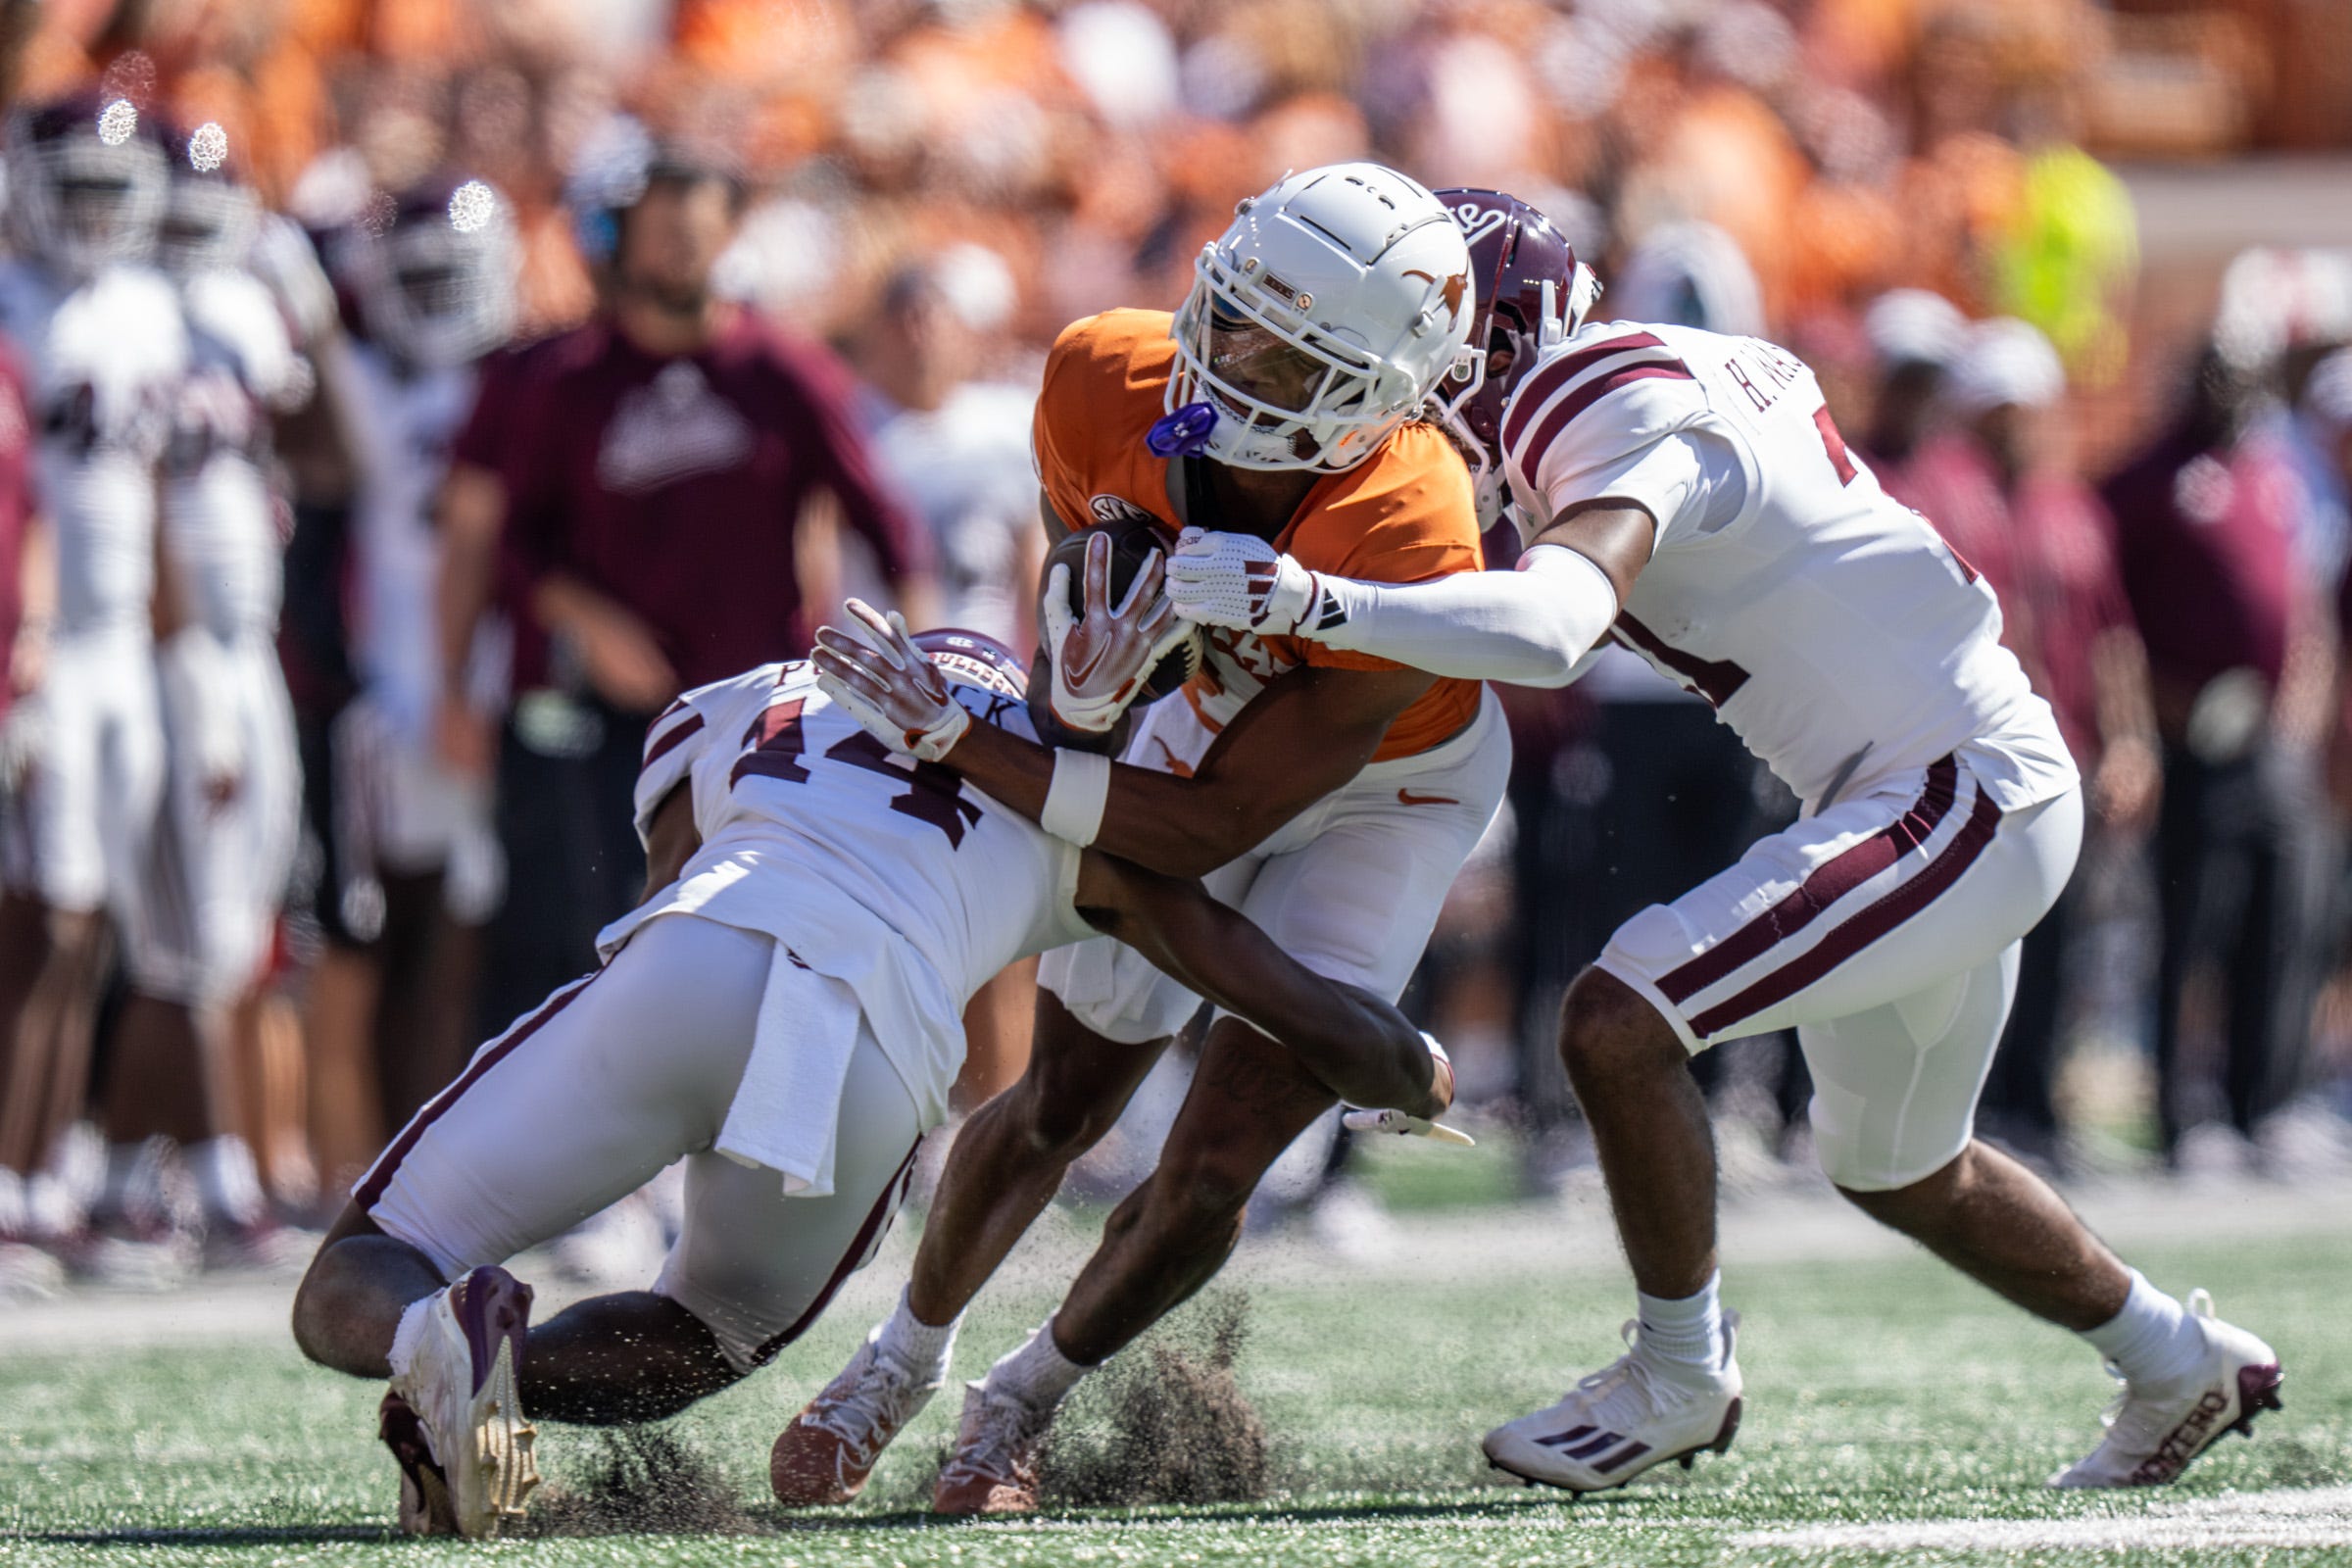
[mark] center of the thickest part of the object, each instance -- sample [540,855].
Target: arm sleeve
[1528,627]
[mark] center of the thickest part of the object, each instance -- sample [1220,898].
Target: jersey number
[934,793]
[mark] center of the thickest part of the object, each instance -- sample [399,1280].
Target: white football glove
[1101,660]
[1402,1125]
[1237,580]
[882,680]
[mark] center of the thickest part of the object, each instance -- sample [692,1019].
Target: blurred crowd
[410,399]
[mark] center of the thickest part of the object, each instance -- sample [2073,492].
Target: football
[1132,539]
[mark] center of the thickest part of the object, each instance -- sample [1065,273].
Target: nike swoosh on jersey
[1409,798]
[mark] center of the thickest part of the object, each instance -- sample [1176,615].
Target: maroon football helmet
[974,659]
[1532,292]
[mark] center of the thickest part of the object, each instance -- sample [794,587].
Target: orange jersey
[1404,515]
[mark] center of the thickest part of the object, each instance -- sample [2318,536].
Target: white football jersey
[402,440]
[219,515]
[892,875]
[103,361]
[1829,625]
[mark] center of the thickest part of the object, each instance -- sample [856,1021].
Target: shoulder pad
[1605,394]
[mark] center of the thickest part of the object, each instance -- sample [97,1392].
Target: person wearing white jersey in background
[413,869]
[818,914]
[196,941]
[1687,495]
[103,351]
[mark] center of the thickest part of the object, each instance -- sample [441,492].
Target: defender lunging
[1686,493]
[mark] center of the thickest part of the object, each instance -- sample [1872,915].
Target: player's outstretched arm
[1311,730]
[1306,734]
[1529,627]
[1362,1048]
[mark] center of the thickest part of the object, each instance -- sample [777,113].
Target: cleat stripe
[1572,1434]
[1586,1450]
[1623,1458]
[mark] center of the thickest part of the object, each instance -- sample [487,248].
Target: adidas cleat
[830,1448]
[1631,1416]
[453,1417]
[2152,1435]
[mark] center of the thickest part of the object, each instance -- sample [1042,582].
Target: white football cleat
[454,1416]
[826,1455]
[2152,1435]
[994,1468]
[1629,1416]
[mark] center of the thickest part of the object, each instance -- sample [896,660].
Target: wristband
[1074,800]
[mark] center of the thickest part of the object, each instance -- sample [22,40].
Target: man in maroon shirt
[2206,530]
[655,465]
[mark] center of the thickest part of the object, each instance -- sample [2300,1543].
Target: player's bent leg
[1009,1159]
[1675,1392]
[1249,1099]
[1004,1167]
[554,1119]
[1650,1130]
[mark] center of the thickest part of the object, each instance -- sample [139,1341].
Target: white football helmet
[435,272]
[1318,322]
[86,179]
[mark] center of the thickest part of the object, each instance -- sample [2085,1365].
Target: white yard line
[2321,1517]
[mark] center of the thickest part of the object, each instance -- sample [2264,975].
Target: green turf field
[1883,1397]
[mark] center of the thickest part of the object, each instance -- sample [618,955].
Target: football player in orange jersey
[1329,796]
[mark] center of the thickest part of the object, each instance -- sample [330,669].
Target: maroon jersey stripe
[1864,928]
[1584,397]
[1718,680]
[1546,379]
[1831,881]
[670,740]
[370,1190]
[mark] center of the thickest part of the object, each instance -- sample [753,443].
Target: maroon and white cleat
[2152,1434]
[457,1399]
[830,1448]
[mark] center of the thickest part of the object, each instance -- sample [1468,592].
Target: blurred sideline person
[956,448]
[105,350]
[28,594]
[816,916]
[413,869]
[657,462]
[2065,615]
[1914,335]
[1687,493]
[199,938]
[2209,536]
[1332,798]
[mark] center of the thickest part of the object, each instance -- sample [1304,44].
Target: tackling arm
[1529,627]
[1306,734]
[1362,1048]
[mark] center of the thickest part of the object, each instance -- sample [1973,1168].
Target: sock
[1037,1374]
[227,1184]
[122,1169]
[1687,1331]
[2153,1341]
[15,1219]
[916,1345]
[412,1328]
